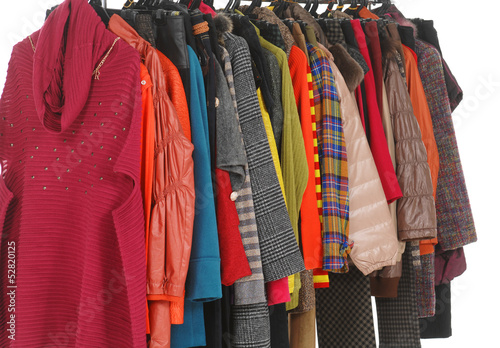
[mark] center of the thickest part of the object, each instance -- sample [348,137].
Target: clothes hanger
[288,23]
[195,4]
[97,6]
[283,7]
[209,3]
[185,2]
[307,6]
[328,9]
[49,11]
[286,3]
[385,5]
[314,8]
[228,6]
[330,5]
[278,7]
[155,4]
[236,5]
[129,5]
[254,4]
[274,3]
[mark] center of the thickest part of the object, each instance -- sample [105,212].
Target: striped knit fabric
[454,216]
[279,250]
[70,199]
[321,279]
[333,159]
[247,290]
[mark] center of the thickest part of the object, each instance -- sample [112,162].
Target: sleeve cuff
[203,282]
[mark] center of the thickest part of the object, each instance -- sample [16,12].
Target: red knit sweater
[70,195]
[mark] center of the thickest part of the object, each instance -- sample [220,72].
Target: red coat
[378,143]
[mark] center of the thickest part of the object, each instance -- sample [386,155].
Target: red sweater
[70,198]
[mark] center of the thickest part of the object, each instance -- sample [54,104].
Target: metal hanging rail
[370,2]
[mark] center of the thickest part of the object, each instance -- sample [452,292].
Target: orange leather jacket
[175,90]
[169,240]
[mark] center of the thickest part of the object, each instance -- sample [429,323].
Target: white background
[469,41]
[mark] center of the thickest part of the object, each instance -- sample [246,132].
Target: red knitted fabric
[70,190]
[234,262]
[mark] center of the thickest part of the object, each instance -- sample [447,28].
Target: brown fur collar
[389,46]
[349,68]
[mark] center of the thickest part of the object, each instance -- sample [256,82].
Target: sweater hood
[69,46]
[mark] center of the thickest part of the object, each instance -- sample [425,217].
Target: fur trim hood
[223,24]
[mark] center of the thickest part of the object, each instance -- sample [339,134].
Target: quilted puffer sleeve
[416,210]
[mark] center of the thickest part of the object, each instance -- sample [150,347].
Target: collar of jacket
[351,71]
[69,46]
[120,27]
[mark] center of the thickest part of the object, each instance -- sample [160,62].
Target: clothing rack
[370,2]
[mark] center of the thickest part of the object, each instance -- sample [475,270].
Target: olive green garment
[310,36]
[293,153]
